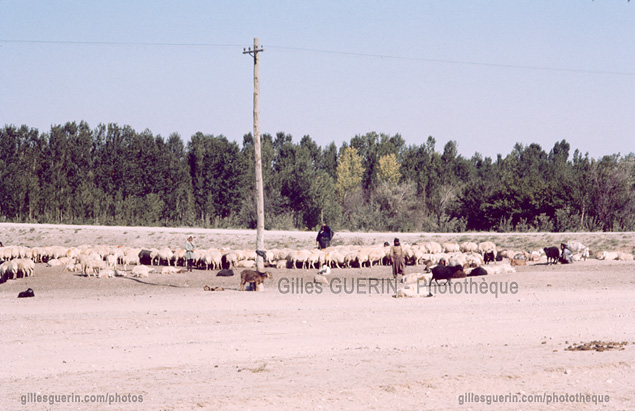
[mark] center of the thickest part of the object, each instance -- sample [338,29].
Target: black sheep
[552,253]
[26,294]
[489,257]
[441,272]
[477,271]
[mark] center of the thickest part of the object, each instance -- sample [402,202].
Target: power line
[333,52]
[117,43]
[472,63]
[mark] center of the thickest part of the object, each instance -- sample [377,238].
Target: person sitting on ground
[566,256]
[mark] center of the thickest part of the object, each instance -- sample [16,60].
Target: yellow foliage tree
[388,170]
[349,171]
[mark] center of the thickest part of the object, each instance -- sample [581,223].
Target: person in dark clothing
[397,259]
[324,236]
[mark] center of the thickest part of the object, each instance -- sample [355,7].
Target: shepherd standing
[396,257]
[189,252]
[324,236]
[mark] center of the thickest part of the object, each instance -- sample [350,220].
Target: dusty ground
[180,348]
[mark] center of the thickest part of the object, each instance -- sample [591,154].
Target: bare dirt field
[163,343]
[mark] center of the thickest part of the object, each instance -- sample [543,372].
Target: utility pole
[260,201]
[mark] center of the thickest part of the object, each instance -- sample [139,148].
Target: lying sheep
[422,278]
[500,269]
[478,271]
[607,255]
[517,261]
[109,273]
[246,264]
[141,271]
[412,290]
[171,270]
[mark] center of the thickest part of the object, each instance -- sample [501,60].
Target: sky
[487,74]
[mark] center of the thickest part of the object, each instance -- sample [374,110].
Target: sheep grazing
[254,278]
[26,267]
[576,247]
[451,247]
[165,254]
[487,246]
[553,254]
[468,247]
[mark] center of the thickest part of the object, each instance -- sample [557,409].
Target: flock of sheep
[109,261]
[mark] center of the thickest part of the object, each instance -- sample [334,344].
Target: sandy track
[181,348]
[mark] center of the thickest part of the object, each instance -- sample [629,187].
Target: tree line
[114,175]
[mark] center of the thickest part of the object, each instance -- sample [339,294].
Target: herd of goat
[108,261]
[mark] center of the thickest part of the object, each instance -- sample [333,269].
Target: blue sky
[486,74]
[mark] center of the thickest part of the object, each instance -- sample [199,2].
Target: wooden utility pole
[260,202]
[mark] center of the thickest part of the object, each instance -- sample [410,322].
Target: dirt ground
[163,343]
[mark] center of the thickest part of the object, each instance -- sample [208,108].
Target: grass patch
[262,368]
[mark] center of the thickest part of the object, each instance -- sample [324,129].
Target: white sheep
[109,272]
[171,270]
[468,247]
[451,247]
[141,271]
[607,255]
[26,267]
[165,254]
[487,246]
[246,264]
[54,262]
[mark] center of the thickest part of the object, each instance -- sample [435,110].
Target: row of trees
[115,175]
